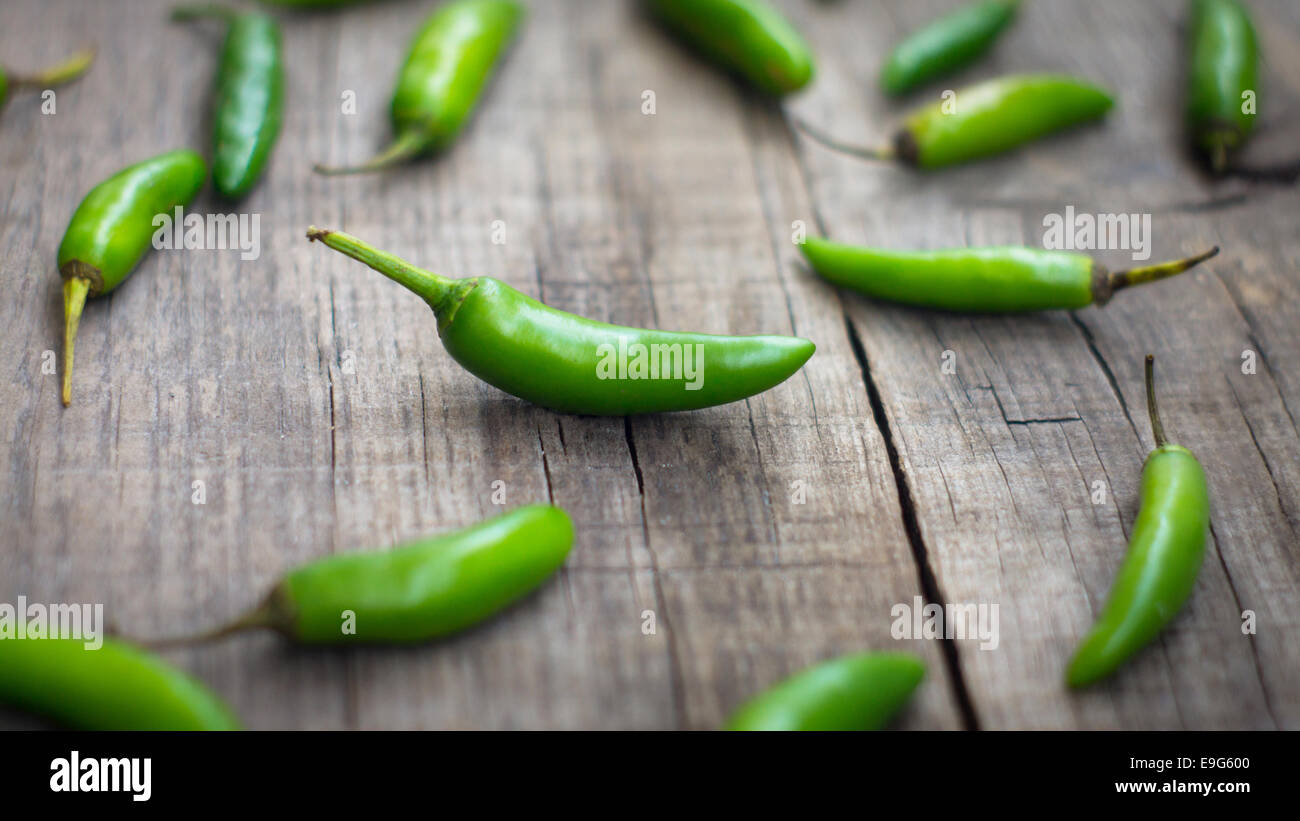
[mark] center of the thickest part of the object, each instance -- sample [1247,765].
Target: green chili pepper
[575,365]
[946,45]
[111,230]
[979,280]
[748,37]
[1164,556]
[64,72]
[249,99]
[419,591]
[113,687]
[1224,67]
[450,62]
[854,692]
[985,119]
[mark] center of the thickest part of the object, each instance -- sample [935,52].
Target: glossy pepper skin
[1224,65]
[112,229]
[114,687]
[946,44]
[65,72]
[450,62]
[423,590]
[1164,556]
[748,37]
[249,101]
[568,363]
[985,119]
[996,116]
[853,692]
[980,280]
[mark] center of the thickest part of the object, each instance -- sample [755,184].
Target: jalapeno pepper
[249,98]
[981,280]
[1224,73]
[112,687]
[748,37]
[111,230]
[449,64]
[423,590]
[575,365]
[1163,559]
[854,692]
[64,72]
[946,45]
[985,119]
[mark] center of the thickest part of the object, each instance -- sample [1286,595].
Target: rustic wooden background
[973,487]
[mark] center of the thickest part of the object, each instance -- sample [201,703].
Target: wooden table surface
[312,399]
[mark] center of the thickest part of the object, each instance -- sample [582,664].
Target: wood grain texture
[313,400]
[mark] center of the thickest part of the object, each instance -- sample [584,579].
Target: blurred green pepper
[1223,82]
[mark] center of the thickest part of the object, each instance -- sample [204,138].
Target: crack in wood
[920,555]
[1043,421]
[929,584]
[1100,359]
[674,661]
[1268,468]
[546,466]
[1254,647]
[424,432]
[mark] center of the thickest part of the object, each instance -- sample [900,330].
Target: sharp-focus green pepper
[985,119]
[981,280]
[575,365]
[450,62]
[748,37]
[111,230]
[113,687]
[1223,84]
[854,692]
[422,590]
[65,72]
[249,98]
[946,44]
[1163,559]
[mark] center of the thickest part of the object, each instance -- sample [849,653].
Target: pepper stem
[1219,157]
[261,617]
[267,614]
[884,153]
[64,72]
[434,289]
[186,13]
[75,290]
[1157,429]
[407,146]
[1150,273]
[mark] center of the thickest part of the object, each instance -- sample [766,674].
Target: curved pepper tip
[64,72]
[804,349]
[75,291]
[1089,663]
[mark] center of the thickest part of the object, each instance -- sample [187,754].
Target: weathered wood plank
[1001,455]
[311,398]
